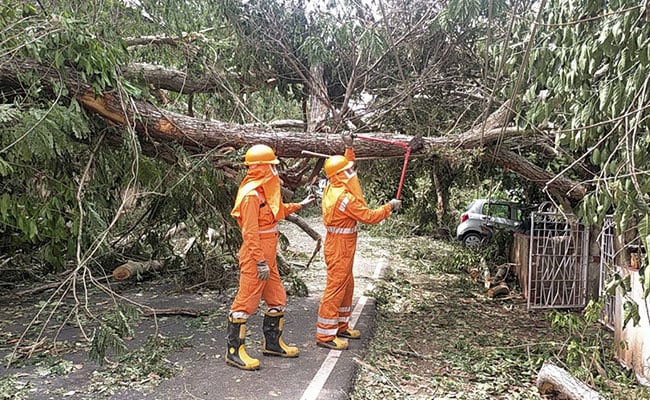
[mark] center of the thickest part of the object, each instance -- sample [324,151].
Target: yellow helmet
[336,164]
[260,154]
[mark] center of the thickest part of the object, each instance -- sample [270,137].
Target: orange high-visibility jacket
[341,212]
[260,239]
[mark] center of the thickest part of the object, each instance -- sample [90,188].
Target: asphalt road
[317,373]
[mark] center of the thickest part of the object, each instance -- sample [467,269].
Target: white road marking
[316,385]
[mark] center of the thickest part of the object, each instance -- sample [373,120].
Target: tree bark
[318,107]
[501,289]
[561,186]
[131,268]
[198,135]
[309,231]
[442,177]
[552,378]
[441,196]
[172,79]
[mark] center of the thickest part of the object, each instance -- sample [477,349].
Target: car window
[497,210]
[486,209]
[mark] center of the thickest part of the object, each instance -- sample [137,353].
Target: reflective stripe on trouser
[336,303]
[251,289]
[344,316]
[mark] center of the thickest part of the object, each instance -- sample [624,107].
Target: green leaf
[583,58]
[5,205]
[631,312]
[5,168]
[603,97]
[32,229]
[595,156]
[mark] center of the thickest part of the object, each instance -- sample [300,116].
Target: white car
[484,216]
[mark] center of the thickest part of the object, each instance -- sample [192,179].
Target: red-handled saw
[415,143]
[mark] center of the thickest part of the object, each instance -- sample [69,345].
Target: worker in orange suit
[343,206]
[258,208]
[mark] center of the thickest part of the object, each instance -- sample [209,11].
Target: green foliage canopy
[586,74]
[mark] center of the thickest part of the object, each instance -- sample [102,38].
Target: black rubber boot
[236,354]
[273,343]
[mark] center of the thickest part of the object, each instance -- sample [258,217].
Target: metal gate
[607,269]
[557,265]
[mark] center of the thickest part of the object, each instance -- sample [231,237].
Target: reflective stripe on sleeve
[344,204]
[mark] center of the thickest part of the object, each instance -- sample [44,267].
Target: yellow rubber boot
[349,333]
[273,343]
[236,354]
[334,344]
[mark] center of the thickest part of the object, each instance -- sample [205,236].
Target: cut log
[553,379]
[129,268]
[501,289]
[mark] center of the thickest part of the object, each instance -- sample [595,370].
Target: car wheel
[472,240]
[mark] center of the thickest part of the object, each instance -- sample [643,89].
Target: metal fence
[557,267]
[607,269]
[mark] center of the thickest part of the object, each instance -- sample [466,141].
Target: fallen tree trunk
[201,135]
[130,268]
[552,379]
[198,135]
[514,162]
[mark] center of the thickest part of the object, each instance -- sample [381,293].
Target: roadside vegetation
[438,335]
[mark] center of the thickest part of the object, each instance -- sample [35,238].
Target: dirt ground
[440,337]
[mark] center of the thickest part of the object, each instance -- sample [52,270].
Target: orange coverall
[259,229]
[341,211]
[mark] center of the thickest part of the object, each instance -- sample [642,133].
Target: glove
[309,200]
[263,270]
[347,139]
[395,204]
